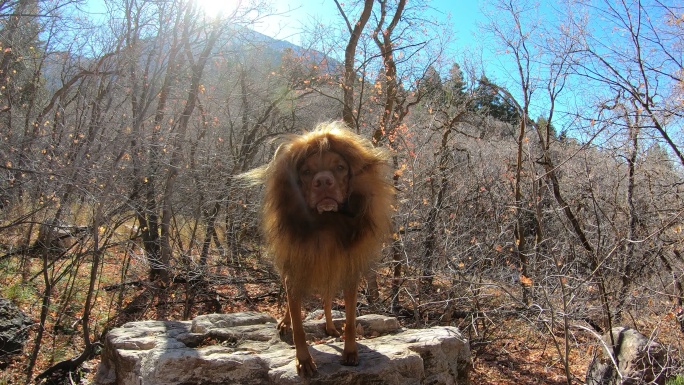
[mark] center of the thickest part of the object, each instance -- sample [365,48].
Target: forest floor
[507,347]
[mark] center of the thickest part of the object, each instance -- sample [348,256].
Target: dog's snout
[324,179]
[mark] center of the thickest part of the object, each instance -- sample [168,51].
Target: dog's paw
[306,366]
[350,358]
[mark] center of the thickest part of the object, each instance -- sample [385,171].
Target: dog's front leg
[304,362]
[350,354]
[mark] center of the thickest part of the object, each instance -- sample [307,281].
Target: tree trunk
[520,245]
[628,257]
[349,58]
[176,155]
[429,244]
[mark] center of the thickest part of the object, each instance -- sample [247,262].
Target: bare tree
[643,62]
[514,37]
[355,31]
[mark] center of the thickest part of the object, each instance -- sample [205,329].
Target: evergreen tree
[489,102]
[542,123]
[432,86]
[455,86]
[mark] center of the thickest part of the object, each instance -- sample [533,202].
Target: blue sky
[289,16]
[463,16]
[286,19]
[468,44]
[464,13]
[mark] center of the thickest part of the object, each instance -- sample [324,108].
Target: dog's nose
[323,179]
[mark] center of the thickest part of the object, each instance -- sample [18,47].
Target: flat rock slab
[244,348]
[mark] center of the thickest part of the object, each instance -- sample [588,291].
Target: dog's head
[317,179]
[324,178]
[328,167]
[325,191]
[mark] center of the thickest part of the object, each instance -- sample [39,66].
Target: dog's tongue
[326,204]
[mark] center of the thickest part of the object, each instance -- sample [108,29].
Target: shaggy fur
[325,251]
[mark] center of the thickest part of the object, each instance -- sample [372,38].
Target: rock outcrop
[244,348]
[14,326]
[639,360]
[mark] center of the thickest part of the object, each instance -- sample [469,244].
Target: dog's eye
[306,172]
[341,167]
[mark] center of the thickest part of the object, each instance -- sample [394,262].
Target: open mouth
[326,204]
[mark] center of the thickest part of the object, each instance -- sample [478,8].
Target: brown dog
[327,210]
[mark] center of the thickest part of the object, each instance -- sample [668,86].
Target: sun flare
[222,8]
